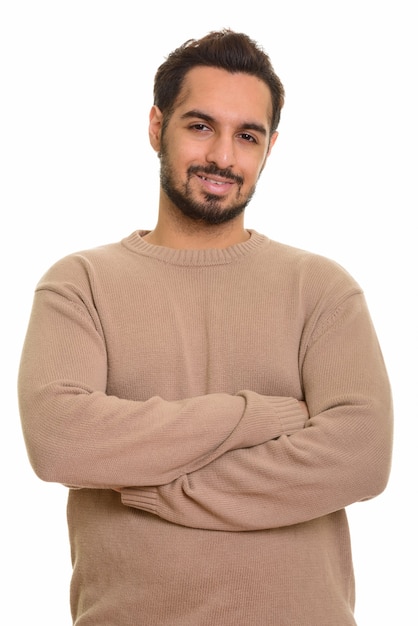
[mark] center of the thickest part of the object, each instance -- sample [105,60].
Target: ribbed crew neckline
[210,256]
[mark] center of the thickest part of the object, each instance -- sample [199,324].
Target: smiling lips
[217,182]
[216,185]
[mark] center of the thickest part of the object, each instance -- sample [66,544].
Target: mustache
[209,170]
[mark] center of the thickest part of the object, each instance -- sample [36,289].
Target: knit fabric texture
[161,387]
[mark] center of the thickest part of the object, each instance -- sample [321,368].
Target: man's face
[214,145]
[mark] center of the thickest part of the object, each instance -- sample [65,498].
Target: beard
[211,209]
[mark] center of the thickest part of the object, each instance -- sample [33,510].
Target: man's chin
[212,216]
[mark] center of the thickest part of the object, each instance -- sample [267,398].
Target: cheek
[184,157]
[186,152]
[252,170]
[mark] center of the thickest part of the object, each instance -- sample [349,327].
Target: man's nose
[221,152]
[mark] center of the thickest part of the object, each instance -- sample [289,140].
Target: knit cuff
[292,417]
[144,499]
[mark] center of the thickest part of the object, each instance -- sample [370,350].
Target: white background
[77,171]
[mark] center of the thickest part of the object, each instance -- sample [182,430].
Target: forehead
[221,93]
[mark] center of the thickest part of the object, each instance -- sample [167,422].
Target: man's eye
[199,127]
[248,137]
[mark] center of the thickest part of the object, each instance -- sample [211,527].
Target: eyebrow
[208,118]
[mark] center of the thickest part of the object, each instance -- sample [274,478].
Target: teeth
[215,182]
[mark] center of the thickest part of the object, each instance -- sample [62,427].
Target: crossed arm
[342,455]
[250,461]
[78,435]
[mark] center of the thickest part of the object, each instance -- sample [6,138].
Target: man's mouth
[213,181]
[217,186]
[215,176]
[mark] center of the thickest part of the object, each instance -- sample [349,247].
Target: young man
[214,399]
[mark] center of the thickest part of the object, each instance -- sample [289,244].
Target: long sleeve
[79,434]
[342,456]
[164,385]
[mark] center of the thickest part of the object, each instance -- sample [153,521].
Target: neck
[174,230]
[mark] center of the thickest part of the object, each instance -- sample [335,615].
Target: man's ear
[155,127]
[273,140]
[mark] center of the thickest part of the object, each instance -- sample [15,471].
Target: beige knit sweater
[161,385]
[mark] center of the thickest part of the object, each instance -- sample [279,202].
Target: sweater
[161,386]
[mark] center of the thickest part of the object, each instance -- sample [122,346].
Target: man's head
[225,49]
[213,124]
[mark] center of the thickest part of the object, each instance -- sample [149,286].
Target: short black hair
[224,49]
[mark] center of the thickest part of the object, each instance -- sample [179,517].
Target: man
[214,399]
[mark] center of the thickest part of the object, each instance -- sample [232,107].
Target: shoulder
[80,275]
[309,268]
[87,263]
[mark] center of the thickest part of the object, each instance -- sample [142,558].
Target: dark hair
[225,49]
